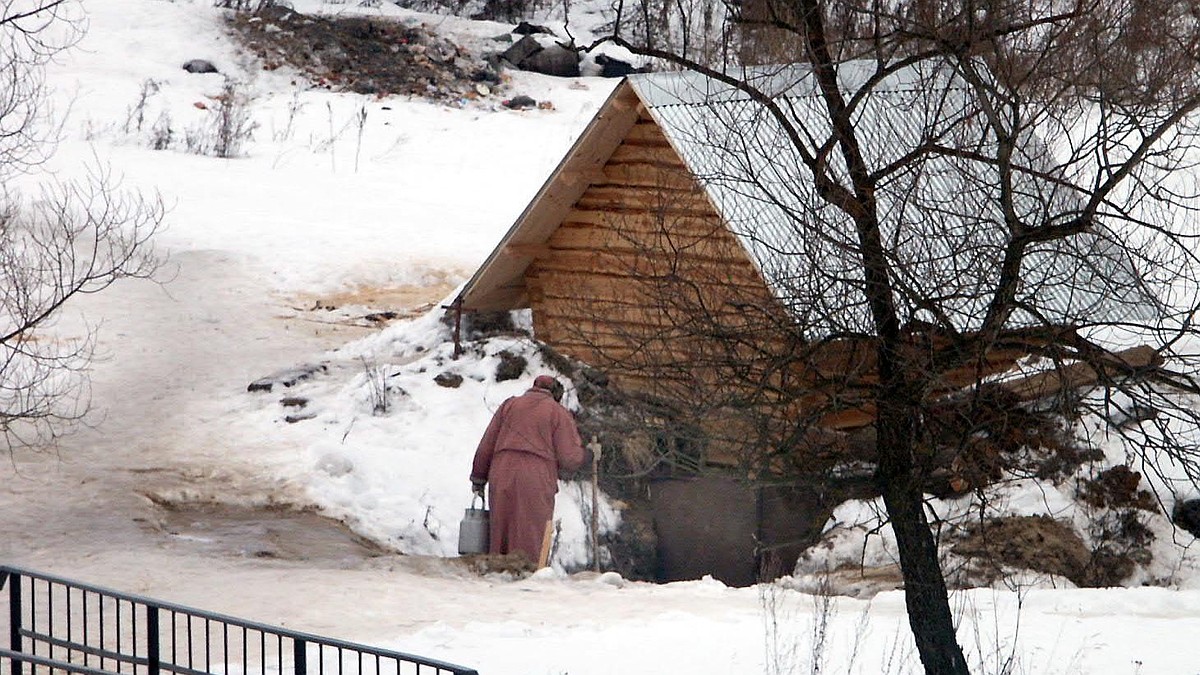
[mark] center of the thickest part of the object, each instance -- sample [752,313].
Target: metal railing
[56,625]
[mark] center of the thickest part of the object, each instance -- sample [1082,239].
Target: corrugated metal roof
[940,215]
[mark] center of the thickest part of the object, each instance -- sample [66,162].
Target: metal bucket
[473,530]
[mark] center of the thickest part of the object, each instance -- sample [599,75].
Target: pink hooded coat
[530,438]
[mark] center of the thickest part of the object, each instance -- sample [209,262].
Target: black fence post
[152,653]
[300,656]
[14,619]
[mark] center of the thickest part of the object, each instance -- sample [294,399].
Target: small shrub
[511,366]
[1121,542]
[135,115]
[161,134]
[1117,487]
[232,125]
[379,392]
[195,140]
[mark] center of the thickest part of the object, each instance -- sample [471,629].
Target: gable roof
[499,283]
[946,237]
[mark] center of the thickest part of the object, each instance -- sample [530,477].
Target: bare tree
[934,192]
[74,238]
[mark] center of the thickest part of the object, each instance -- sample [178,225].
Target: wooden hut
[678,228]
[666,245]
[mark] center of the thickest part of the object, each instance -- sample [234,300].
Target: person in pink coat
[529,440]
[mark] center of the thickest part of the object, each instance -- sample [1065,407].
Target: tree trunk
[925,595]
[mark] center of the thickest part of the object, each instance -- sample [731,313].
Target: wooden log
[691,269]
[708,224]
[646,132]
[547,538]
[659,155]
[754,299]
[647,175]
[628,243]
[525,250]
[691,202]
[1080,374]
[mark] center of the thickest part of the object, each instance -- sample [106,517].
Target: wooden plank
[701,304]
[600,288]
[642,317]
[638,198]
[1076,375]
[628,243]
[526,250]
[647,175]
[693,269]
[646,132]
[544,556]
[658,155]
[583,177]
[706,225]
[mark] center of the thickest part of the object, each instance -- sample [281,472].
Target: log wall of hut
[638,258]
[642,279]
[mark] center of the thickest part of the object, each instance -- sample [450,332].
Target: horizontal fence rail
[56,625]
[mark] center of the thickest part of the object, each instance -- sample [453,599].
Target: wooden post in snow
[596,449]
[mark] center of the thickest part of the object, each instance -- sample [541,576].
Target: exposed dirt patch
[364,55]
[275,533]
[371,306]
[407,299]
[1038,543]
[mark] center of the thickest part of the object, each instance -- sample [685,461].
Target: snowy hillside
[340,207]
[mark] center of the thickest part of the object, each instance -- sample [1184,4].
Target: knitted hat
[544,382]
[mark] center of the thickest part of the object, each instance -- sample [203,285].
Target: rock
[449,380]
[521,50]
[1186,515]
[287,377]
[610,67]
[554,60]
[613,579]
[485,75]
[526,28]
[380,317]
[200,66]
[293,401]
[520,102]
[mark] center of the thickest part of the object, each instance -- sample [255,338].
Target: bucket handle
[482,501]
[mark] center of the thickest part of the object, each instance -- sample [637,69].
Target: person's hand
[477,488]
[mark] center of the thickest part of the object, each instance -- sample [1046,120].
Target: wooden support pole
[596,449]
[544,557]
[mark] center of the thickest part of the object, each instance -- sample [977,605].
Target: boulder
[449,380]
[1186,515]
[519,102]
[288,377]
[521,50]
[526,28]
[553,60]
[610,67]
[200,66]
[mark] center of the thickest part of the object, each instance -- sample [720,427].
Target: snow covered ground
[317,215]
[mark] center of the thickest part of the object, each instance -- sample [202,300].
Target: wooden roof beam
[519,250]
